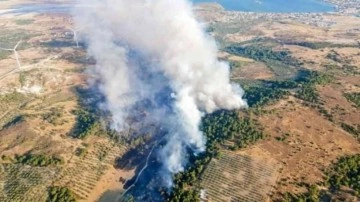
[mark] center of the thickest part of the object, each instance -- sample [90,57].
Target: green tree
[60,194]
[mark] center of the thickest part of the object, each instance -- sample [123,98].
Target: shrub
[353,97]
[61,194]
[346,172]
[38,160]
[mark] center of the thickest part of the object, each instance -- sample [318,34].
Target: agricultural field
[235,177]
[41,149]
[81,174]
[25,183]
[86,168]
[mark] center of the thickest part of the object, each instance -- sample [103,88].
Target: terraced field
[25,183]
[82,174]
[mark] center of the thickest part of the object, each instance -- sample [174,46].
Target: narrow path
[39,65]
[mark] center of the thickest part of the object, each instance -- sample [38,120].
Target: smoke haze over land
[156,51]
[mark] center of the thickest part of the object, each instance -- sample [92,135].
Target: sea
[273,6]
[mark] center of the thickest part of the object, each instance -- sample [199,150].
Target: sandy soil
[311,143]
[342,110]
[110,182]
[252,70]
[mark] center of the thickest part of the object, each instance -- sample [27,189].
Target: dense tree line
[39,160]
[60,194]
[352,130]
[285,84]
[307,44]
[319,45]
[263,53]
[258,53]
[224,126]
[346,172]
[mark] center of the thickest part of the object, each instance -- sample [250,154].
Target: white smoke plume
[172,44]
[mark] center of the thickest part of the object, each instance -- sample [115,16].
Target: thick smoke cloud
[146,47]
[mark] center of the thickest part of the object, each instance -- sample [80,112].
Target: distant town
[342,7]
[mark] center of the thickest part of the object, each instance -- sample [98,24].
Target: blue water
[273,6]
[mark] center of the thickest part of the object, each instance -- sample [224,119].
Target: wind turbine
[15,53]
[75,36]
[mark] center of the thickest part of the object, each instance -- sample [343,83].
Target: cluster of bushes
[87,116]
[313,194]
[81,152]
[8,39]
[316,78]
[53,116]
[334,56]
[307,91]
[16,120]
[259,96]
[22,78]
[346,172]
[353,97]
[283,137]
[275,90]
[6,158]
[38,160]
[86,124]
[60,194]
[350,69]
[13,97]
